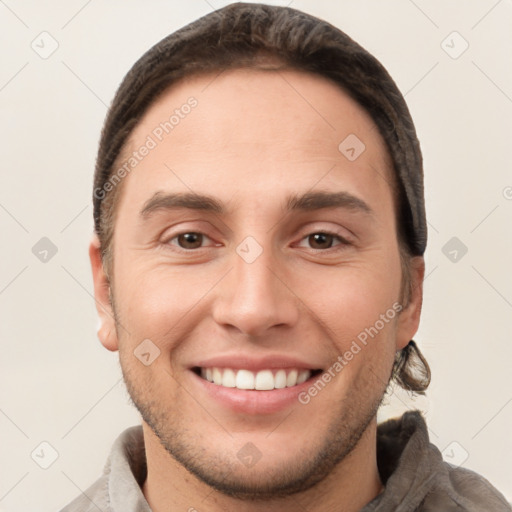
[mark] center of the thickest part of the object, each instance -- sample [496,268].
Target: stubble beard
[221,471]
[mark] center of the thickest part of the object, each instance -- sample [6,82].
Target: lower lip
[252,401]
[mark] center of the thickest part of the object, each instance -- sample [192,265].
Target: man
[258,263]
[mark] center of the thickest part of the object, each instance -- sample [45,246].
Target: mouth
[261,380]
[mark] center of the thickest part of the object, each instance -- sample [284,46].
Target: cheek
[354,297]
[357,307]
[159,302]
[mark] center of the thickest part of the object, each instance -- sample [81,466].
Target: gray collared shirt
[412,469]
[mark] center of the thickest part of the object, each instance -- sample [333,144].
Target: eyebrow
[308,201]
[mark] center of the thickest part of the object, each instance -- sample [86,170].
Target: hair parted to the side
[267,37]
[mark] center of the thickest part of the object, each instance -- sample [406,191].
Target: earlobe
[106,328]
[108,337]
[409,318]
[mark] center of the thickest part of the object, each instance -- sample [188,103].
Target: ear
[107,328]
[409,318]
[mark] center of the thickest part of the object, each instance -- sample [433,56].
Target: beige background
[60,386]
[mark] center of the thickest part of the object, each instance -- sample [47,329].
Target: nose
[254,297]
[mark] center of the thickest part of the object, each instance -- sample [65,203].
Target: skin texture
[254,138]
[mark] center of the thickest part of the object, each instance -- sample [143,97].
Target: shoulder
[93,499]
[118,489]
[462,489]
[417,478]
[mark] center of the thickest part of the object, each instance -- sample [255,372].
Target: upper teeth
[262,380]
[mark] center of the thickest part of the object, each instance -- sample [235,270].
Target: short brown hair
[256,35]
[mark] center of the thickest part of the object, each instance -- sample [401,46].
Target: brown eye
[190,240]
[321,240]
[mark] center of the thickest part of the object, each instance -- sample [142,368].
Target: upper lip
[246,362]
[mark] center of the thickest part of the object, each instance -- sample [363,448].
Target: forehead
[233,129]
[303,103]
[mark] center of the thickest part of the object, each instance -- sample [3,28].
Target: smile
[262,380]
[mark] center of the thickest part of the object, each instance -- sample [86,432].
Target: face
[257,324]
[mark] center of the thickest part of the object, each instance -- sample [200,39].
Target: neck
[353,483]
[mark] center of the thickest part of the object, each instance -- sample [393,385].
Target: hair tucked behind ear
[411,370]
